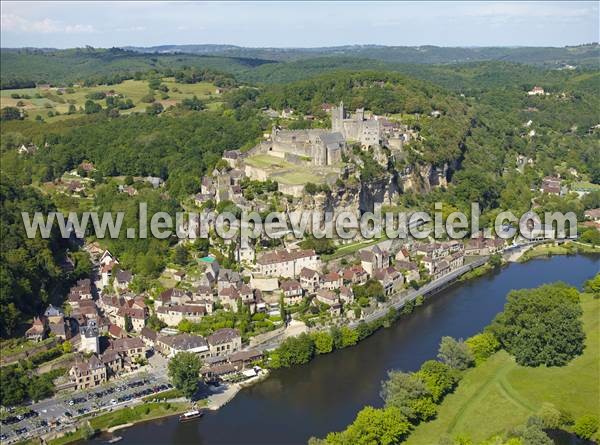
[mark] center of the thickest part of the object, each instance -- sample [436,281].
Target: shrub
[586,426]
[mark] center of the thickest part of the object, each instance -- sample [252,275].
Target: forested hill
[454,67]
[428,54]
[23,68]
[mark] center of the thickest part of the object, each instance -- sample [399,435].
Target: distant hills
[26,66]
[553,56]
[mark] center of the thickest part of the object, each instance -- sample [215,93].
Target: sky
[298,24]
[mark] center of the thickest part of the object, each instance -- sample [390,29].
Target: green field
[285,172]
[50,100]
[499,394]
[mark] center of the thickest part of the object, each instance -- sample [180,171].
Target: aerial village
[287,288]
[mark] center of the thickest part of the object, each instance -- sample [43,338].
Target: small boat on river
[191,415]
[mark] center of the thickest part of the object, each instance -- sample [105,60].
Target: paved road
[399,300]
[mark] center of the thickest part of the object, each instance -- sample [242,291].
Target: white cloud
[15,23]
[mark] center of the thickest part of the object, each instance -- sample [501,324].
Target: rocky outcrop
[364,197]
[424,178]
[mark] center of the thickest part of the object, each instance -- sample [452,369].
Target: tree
[349,336]
[551,417]
[586,426]
[482,346]
[590,236]
[10,113]
[407,392]
[180,255]
[155,323]
[593,285]
[372,289]
[496,260]
[128,323]
[192,104]
[323,342]
[155,108]
[183,371]
[282,311]
[67,347]
[533,433]
[541,326]
[13,389]
[439,378]
[373,426]
[293,351]
[455,353]
[91,107]
[321,246]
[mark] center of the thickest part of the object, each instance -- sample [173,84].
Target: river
[325,395]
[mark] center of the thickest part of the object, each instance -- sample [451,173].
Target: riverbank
[221,398]
[123,418]
[262,413]
[568,248]
[147,411]
[499,395]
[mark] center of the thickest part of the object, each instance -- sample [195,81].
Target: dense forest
[31,274]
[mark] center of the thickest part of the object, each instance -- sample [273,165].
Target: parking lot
[59,413]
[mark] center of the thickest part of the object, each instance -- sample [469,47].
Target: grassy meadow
[41,101]
[499,394]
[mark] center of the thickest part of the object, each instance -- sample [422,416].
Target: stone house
[374,258]
[122,280]
[224,341]
[328,297]
[390,279]
[203,293]
[355,275]
[170,345]
[175,296]
[346,294]
[229,297]
[39,330]
[287,263]
[310,279]
[131,347]
[148,336]
[292,291]
[442,268]
[88,374]
[410,270]
[113,362]
[173,315]
[54,314]
[331,281]
[137,316]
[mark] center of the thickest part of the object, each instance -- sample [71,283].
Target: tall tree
[183,370]
[541,326]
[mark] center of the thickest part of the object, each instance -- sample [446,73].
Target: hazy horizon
[291,25]
[300,47]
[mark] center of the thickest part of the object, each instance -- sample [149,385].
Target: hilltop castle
[355,127]
[325,147]
[321,146]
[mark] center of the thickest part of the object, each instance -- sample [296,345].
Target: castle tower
[337,118]
[360,114]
